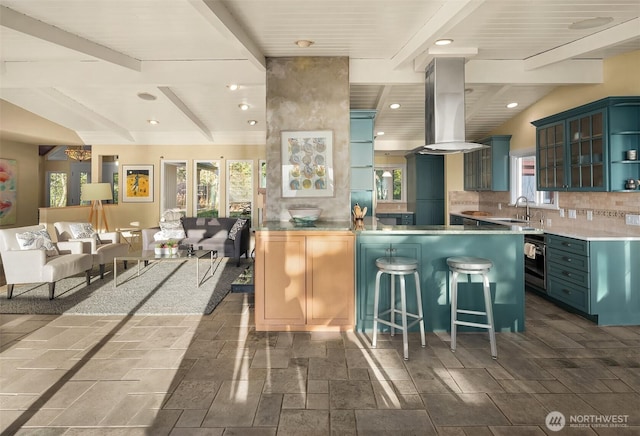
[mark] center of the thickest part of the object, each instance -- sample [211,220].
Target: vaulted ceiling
[84,64]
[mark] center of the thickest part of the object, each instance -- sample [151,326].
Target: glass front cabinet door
[586,152]
[588,148]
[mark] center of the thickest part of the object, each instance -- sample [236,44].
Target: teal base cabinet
[600,279]
[431,251]
[398,219]
[456,220]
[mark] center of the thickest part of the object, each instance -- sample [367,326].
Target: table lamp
[95,193]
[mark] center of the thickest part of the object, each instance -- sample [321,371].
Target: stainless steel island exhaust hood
[444,109]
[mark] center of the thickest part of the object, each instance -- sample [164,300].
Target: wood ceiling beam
[219,17]
[382,97]
[46,32]
[482,103]
[168,92]
[448,16]
[609,37]
[176,73]
[83,111]
[570,72]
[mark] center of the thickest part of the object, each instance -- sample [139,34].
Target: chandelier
[79,152]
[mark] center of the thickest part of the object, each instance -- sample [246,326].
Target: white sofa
[34,266]
[103,249]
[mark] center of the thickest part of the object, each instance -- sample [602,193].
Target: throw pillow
[83,231]
[236,228]
[171,230]
[37,240]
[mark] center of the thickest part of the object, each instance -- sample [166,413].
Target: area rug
[163,288]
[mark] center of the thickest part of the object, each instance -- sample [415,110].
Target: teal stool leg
[376,296]
[454,308]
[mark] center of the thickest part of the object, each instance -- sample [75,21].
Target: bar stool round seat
[398,267]
[472,266]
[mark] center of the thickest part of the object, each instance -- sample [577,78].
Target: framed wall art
[137,183]
[8,192]
[307,164]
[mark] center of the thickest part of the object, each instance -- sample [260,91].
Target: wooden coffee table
[147,256]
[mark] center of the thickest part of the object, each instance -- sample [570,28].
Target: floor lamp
[95,193]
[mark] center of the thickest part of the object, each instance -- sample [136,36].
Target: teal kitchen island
[431,246]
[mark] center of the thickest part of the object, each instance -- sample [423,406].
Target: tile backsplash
[608,208]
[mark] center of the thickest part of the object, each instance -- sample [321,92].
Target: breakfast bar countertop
[381,229]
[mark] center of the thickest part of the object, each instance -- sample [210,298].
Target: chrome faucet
[526,202]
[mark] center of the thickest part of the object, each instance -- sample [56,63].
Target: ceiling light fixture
[79,153]
[379,133]
[153,122]
[445,41]
[590,23]
[146,96]
[243,106]
[252,122]
[512,105]
[233,86]
[304,43]
[394,106]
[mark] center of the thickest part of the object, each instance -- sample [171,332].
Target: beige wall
[148,214]
[31,193]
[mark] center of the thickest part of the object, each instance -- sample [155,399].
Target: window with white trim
[390,183]
[239,188]
[523,181]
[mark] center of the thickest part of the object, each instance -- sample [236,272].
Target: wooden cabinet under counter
[304,280]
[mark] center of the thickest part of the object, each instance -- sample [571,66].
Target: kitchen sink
[508,220]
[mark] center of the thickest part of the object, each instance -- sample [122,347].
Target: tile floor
[215,375]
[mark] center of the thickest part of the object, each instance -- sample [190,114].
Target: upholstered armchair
[29,256]
[103,246]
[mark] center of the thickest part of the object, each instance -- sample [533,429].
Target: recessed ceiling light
[444,41]
[394,105]
[512,105]
[252,122]
[153,122]
[590,23]
[146,96]
[243,106]
[379,133]
[304,43]
[233,86]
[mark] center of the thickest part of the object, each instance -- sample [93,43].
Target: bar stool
[471,266]
[400,267]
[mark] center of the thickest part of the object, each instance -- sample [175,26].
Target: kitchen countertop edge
[582,234]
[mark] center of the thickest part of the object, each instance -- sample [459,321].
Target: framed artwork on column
[307,163]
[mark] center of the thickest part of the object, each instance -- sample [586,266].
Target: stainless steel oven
[535,265]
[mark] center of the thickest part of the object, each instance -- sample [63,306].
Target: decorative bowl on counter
[305,215]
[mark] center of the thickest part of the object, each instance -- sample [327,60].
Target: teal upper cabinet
[585,149]
[624,136]
[362,164]
[488,169]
